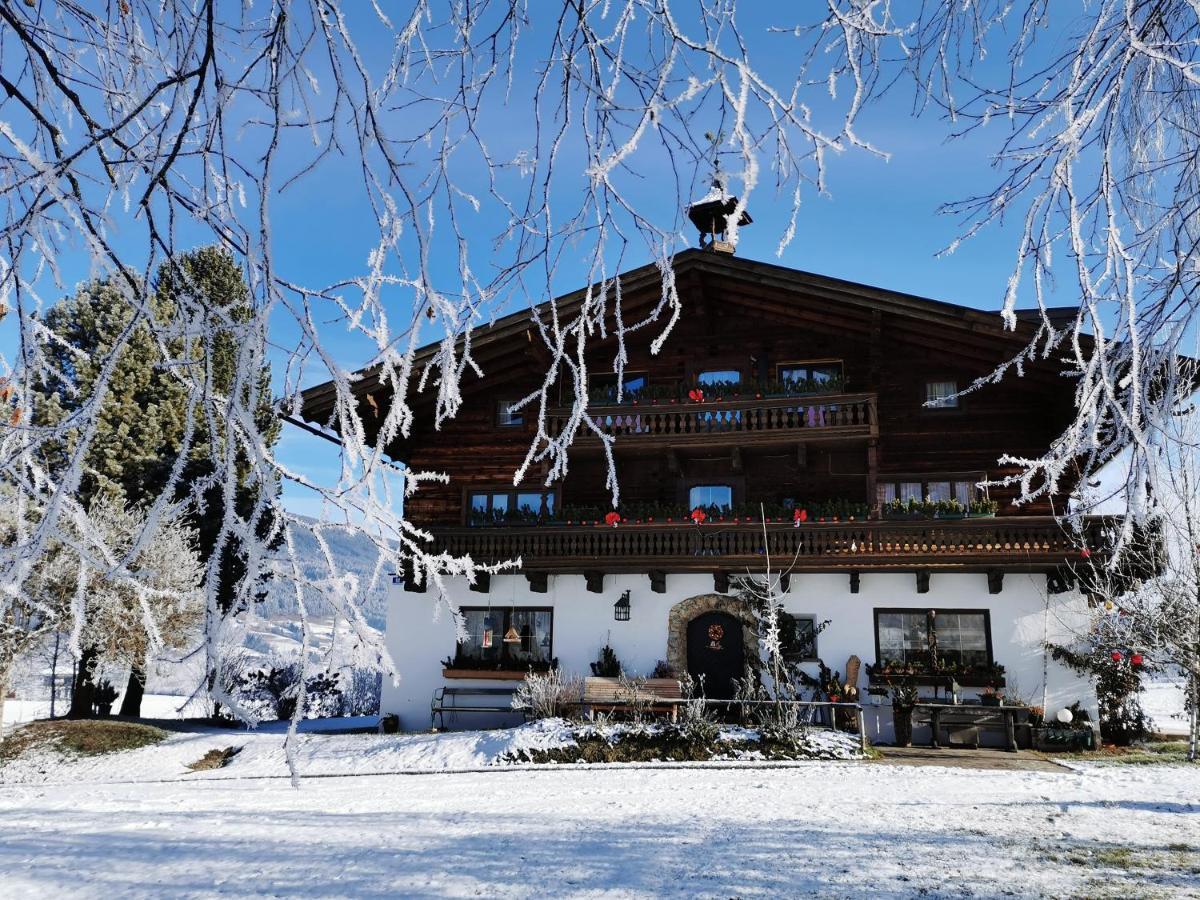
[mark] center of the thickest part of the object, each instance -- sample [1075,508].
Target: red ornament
[696,395]
[699,515]
[821,519]
[1085,553]
[669,520]
[613,518]
[650,519]
[1116,656]
[800,515]
[1136,659]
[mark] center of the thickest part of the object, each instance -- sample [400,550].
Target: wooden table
[970,714]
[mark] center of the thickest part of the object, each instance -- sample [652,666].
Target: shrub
[548,695]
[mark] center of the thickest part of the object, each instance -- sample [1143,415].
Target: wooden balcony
[765,420]
[1015,543]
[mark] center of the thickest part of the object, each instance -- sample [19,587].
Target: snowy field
[833,829]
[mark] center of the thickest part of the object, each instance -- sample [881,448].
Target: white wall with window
[1016,623]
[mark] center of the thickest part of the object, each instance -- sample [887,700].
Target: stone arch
[685,610]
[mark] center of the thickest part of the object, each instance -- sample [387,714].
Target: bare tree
[131,127]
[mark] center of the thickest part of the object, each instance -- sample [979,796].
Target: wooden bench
[984,718]
[469,699]
[661,696]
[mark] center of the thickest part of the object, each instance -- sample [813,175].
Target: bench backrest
[610,690]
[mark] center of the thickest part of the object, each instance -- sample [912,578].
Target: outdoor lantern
[621,608]
[512,636]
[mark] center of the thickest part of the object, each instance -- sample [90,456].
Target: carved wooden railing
[1035,541]
[748,420]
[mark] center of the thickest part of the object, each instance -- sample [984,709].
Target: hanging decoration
[696,395]
[612,518]
[622,609]
[715,634]
[699,515]
[512,636]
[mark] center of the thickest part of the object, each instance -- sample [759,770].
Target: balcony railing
[1034,542]
[752,420]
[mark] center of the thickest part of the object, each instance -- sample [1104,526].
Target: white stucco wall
[420,632]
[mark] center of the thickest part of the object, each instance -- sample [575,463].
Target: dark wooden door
[716,651]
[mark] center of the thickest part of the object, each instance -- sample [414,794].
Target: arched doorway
[716,653]
[689,648]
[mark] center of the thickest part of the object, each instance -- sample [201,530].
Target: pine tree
[143,420]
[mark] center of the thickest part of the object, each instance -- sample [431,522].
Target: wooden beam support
[995,581]
[483,582]
[1060,580]
[785,582]
[595,581]
[922,581]
[658,581]
[410,580]
[721,582]
[538,582]
[855,582]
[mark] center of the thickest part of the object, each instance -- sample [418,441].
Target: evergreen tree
[166,368]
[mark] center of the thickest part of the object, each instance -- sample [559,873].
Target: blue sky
[878,224]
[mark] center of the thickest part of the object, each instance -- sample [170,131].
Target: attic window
[506,416]
[941,394]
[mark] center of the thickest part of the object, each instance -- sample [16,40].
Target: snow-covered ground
[831,829]
[1163,701]
[154,706]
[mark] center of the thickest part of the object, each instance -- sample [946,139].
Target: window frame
[710,483]
[940,611]
[469,493]
[815,656]
[505,612]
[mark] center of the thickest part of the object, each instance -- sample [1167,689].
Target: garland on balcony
[777,512]
[678,392]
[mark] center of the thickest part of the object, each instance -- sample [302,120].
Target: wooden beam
[785,583]
[595,581]
[483,582]
[995,581]
[802,455]
[735,458]
[410,580]
[658,581]
[855,582]
[1060,580]
[721,582]
[922,581]
[538,582]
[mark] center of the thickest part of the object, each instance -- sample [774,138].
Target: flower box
[484,674]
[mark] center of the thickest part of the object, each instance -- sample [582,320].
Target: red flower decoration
[613,518]
[1085,553]
[699,515]
[800,515]
[696,395]
[1116,656]
[835,698]
[1136,659]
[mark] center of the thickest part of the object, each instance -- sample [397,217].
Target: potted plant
[991,697]
[904,698]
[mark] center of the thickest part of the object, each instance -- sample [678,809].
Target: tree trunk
[3,694]
[54,674]
[1194,717]
[84,695]
[131,703]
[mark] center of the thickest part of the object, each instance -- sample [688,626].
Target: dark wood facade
[752,318]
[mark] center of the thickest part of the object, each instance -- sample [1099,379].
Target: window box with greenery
[914,509]
[777,512]
[510,507]
[503,643]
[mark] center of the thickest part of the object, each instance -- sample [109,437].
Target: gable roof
[864,300]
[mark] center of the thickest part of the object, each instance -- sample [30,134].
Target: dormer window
[941,394]
[506,416]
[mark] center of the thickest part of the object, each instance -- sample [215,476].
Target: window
[485,647]
[941,394]
[960,487]
[720,495]
[506,416]
[498,506]
[719,376]
[962,638]
[803,646]
[811,376]
[603,388]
